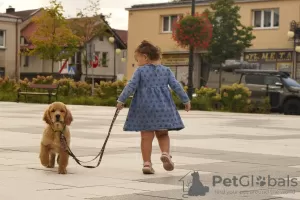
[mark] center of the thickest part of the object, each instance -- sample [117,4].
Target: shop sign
[281,56]
[175,59]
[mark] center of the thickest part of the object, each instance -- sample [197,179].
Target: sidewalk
[219,146]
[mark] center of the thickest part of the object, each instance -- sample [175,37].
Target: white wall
[36,65]
[8,54]
[106,46]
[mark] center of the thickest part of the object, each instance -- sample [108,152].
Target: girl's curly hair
[148,49]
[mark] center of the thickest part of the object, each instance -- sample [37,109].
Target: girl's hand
[187,106]
[120,106]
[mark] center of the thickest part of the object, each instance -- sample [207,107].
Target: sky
[119,16]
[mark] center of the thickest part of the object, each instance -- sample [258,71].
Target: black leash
[100,154]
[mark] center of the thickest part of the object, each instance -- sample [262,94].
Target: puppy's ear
[68,117]
[47,117]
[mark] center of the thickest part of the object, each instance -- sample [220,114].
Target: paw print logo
[261,181]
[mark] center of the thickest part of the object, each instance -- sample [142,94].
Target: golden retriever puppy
[58,118]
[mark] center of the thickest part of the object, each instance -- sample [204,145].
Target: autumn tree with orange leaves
[53,38]
[89,24]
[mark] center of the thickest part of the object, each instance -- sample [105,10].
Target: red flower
[195,30]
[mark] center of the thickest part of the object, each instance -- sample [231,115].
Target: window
[73,60]
[261,79]
[254,79]
[2,71]
[167,23]
[97,53]
[272,80]
[276,18]
[26,61]
[104,59]
[2,38]
[268,18]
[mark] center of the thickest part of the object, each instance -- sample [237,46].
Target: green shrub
[43,80]
[207,97]
[109,89]
[82,100]
[8,96]
[8,85]
[235,98]
[201,103]
[262,106]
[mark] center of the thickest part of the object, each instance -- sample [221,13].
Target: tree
[230,37]
[53,39]
[88,24]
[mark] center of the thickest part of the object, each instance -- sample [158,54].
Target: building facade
[111,65]
[272,49]
[9,45]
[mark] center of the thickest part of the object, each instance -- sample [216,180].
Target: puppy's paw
[50,165]
[62,171]
[45,164]
[44,158]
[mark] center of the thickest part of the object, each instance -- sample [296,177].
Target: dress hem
[167,129]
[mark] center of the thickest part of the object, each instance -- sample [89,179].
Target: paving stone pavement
[248,156]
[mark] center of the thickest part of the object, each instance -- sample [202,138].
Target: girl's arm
[130,87]
[177,87]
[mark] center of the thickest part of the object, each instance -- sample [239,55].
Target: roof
[120,35]
[28,30]
[123,34]
[259,71]
[122,44]
[181,3]
[8,16]
[25,14]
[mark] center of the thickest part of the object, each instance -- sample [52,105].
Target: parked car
[283,91]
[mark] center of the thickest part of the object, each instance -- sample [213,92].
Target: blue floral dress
[152,107]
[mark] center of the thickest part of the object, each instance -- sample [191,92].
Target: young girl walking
[152,110]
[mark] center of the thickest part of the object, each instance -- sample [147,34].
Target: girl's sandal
[167,162]
[147,169]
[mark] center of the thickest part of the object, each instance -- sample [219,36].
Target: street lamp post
[294,34]
[112,40]
[117,51]
[191,62]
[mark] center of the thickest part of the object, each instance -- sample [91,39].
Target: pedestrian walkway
[218,156]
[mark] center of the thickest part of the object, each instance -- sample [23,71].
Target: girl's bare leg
[164,144]
[146,145]
[146,148]
[163,141]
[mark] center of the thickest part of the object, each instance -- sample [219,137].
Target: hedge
[232,98]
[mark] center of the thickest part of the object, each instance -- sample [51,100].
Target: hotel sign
[281,56]
[175,59]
